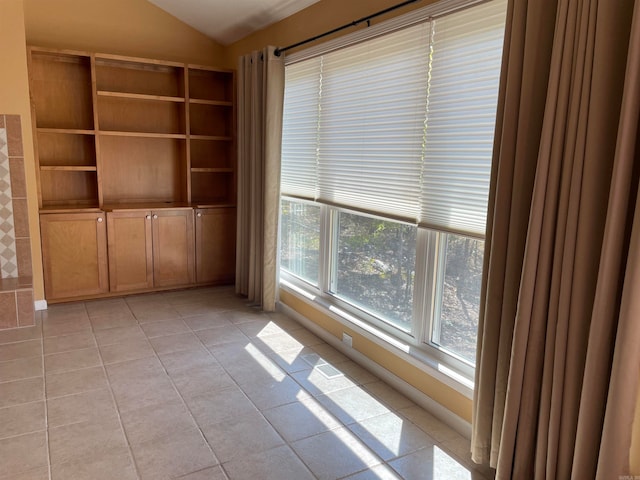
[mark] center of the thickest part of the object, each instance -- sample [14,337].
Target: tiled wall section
[8,256]
[16,290]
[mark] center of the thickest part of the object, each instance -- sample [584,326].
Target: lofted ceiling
[227,21]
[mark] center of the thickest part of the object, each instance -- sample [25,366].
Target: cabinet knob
[199,214]
[155,217]
[148,217]
[100,219]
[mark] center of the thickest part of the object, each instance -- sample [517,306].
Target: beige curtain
[558,358]
[260,101]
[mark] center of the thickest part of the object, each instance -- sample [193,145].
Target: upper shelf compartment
[141,79]
[61,89]
[210,85]
[135,116]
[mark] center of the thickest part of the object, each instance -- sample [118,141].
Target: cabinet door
[130,250]
[74,251]
[173,247]
[215,245]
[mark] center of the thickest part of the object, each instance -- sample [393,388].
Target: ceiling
[227,21]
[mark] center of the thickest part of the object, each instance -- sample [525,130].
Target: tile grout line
[46,400]
[113,399]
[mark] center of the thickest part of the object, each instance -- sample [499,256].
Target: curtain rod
[367,19]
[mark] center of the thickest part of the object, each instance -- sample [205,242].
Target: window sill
[409,353]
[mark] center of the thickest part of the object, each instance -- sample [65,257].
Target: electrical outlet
[347,339]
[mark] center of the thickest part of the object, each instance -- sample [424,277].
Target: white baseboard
[40,305]
[442,413]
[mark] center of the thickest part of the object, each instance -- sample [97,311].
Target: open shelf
[58,149]
[114,74]
[68,188]
[164,132]
[211,120]
[61,89]
[212,188]
[144,116]
[210,84]
[138,169]
[212,154]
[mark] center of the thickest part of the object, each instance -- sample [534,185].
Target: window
[455,323]
[374,267]
[386,161]
[300,240]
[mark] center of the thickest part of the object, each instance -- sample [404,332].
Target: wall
[125,27]
[14,99]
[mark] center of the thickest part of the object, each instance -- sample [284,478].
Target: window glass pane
[374,267]
[300,239]
[459,301]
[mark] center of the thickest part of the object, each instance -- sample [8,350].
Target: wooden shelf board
[218,103]
[212,205]
[211,137]
[72,131]
[114,207]
[70,209]
[208,68]
[140,96]
[69,168]
[142,134]
[211,170]
[139,60]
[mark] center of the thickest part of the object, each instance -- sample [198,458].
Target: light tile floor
[196,385]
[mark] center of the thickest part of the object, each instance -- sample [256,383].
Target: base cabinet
[74,250]
[136,250]
[173,248]
[149,249]
[130,250]
[215,245]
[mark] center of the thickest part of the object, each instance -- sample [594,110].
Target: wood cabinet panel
[173,247]
[215,245]
[74,249]
[130,250]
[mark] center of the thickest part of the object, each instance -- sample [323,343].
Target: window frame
[427,280]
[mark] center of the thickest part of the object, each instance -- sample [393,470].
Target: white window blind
[463,93]
[299,170]
[400,125]
[373,109]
